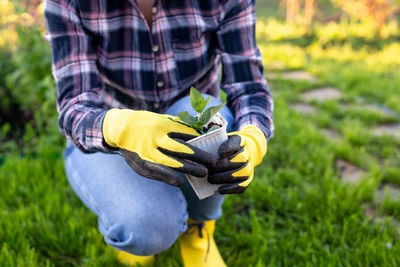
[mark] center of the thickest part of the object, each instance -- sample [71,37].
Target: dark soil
[212,124]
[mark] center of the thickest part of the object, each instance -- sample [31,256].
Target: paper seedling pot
[209,142]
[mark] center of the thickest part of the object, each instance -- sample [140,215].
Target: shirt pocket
[193,54]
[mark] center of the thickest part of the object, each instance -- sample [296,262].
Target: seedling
[200,121]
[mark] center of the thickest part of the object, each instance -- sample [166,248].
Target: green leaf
[184,116]
[215,127]
[206,102]
[198,125]
[197,100]
[210,112]
[223,95]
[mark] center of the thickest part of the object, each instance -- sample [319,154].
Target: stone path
[322,94]
[331,134]
[303,108]
[393,193]
[392,190]
[372,212]
[368,107]
[298,75]
[349,172]
[388,129]
[276,65]
[293,75]
[395,223]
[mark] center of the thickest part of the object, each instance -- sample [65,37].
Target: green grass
[297,211]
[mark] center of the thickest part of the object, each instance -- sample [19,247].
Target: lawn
[303,208]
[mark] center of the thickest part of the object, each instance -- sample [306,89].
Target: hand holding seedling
[199,104]
[238,156]
[155,146]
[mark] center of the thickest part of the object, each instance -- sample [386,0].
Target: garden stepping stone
[298,75]
[303,108]
[395,223]
[393,193]
[388,129]
[322,94]
[372,212]
[292,75]
[272,75]
[349,172]
[377,109]
[369,107]
[331,134]
[276,65]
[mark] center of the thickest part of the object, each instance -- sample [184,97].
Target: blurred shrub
[27,89]
[7,104]
[376,12]
[32,87]
[11,16]
[6,68]
[31,82]
[357,34]
[294,13]
[345,32]
[275,30]
[7,21]
[278,31]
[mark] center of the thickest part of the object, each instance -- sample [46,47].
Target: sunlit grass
[297,212]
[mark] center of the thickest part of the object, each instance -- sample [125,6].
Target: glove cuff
[256,142]
[114,122]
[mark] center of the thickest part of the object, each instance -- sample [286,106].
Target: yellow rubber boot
[198,248]
[134,260]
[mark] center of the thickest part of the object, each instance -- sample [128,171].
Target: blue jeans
[136,214]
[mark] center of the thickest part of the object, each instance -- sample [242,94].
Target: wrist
[256,142]
[114,122]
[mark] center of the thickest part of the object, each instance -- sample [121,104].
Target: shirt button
[154,10]
[160,84]
[155,48]
[156,105]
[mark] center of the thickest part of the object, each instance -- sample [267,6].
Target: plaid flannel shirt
[104,56]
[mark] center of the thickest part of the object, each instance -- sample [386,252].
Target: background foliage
[26,86]
[297,212]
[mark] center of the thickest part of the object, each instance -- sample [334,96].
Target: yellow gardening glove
[238,156]
[154,145]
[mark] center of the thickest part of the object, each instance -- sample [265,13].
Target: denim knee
[149,235]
